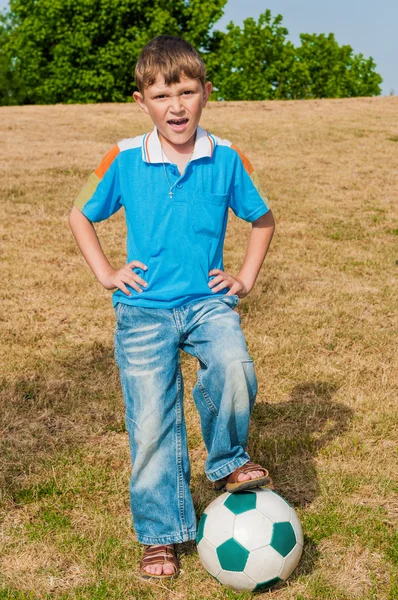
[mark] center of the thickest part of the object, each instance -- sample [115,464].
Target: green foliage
[257,62]
[11,92]
[334,72]
[85,51]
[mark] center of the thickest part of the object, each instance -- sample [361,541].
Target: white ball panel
[239,581]
[252,529]
[272,506]
[219,526]
[208,556]
[263,564]
[294,520]
[291,561]
[216,502]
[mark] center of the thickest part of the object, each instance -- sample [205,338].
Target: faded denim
[147,344]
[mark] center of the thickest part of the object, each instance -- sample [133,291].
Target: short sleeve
[246,197]
[100,197]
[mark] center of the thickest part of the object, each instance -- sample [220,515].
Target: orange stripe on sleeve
[211,144]
[146,146]
[246,162]
[107,161]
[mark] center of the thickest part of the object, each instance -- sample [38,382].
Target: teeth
[178,121]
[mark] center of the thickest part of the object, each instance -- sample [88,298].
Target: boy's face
[175,109]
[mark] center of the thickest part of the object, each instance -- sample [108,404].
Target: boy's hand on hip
[120,277]
[224,280]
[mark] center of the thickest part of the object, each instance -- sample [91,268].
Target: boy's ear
[139,98]
[207,91]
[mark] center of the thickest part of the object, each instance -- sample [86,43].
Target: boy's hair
[171,57]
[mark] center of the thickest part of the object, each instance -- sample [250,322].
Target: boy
[176,184]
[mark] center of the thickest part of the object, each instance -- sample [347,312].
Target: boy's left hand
[224,280]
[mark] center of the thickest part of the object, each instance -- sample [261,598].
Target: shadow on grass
[61,404]
[57,406]
[286,438]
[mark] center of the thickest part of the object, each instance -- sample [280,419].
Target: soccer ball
[250,540]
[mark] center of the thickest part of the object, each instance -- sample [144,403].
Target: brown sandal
[159,554]
[231,483]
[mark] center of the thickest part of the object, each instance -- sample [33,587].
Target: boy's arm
[88,242]
[257,248]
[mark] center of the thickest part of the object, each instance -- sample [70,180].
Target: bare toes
[168,569]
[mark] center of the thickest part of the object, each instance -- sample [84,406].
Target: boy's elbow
[266,220]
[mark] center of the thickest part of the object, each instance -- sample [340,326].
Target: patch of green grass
[392,231]
[323,524]
[111,551]
[393,591]
[35,493]
[48,521]
[370,526]
[392,550]
[393,138]
[12,594]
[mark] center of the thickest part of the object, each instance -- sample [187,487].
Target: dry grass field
[321,326]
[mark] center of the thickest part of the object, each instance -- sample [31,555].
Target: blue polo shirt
[179,239]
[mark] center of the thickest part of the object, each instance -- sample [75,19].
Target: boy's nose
[176,105]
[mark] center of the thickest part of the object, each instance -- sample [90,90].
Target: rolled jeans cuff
[177,538]
[227,469]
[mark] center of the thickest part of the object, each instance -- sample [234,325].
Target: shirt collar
[152,150]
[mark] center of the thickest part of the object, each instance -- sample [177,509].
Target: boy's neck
[178,154]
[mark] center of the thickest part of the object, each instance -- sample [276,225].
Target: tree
[85,51]
[334,71]
[11,89]
[257,62]
[253,63]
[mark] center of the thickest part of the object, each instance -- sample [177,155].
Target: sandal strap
[246,468]
[159,554]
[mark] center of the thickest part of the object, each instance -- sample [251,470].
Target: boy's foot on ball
[248,476]
[159,561]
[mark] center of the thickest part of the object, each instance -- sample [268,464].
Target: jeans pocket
[231,300]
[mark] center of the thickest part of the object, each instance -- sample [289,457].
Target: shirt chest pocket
[209,214]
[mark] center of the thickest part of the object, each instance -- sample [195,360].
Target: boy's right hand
[118,278]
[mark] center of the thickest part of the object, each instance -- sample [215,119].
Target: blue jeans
[147,344]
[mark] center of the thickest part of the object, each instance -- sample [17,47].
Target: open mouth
[178,121]
[178,124]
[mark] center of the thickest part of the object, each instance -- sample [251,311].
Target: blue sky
[369,27]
